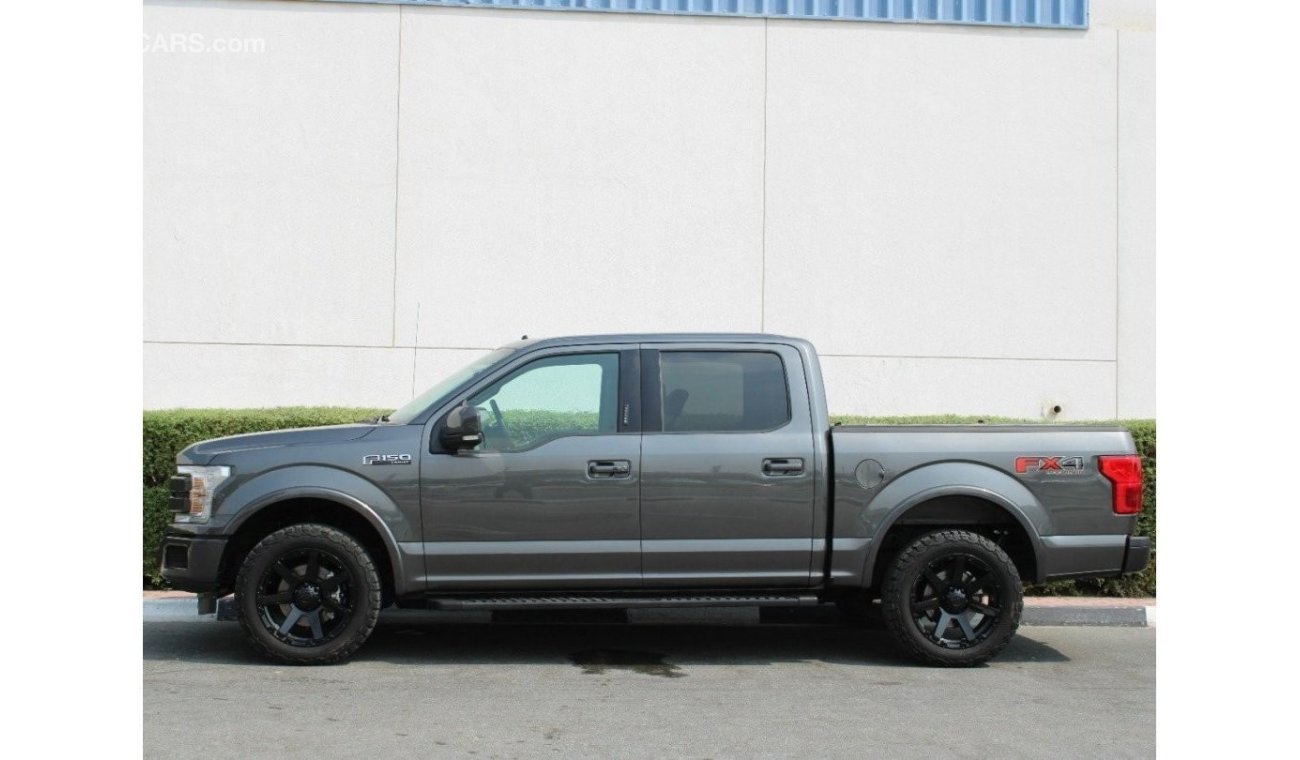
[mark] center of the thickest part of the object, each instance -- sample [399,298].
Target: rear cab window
[723,391]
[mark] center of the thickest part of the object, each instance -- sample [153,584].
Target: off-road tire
[330,545]
[906,584]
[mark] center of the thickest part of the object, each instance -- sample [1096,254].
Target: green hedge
[167,432]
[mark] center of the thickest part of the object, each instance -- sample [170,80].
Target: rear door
[726,467]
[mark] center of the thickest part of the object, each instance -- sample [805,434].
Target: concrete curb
[1141,617]
[1039,611]
[1065,610]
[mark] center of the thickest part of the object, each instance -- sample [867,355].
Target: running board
[597,602]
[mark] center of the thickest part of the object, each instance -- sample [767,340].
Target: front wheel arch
[282,513]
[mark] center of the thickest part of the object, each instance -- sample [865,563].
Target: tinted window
[549,398]
[723,390]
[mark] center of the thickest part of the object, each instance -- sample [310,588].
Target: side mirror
[462,430]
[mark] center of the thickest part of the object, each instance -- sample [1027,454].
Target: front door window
[554,397]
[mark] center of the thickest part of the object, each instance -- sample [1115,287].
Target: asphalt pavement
[703,684]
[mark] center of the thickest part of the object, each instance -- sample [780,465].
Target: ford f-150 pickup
[623,471]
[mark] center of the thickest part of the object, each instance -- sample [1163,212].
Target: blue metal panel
[1050,14]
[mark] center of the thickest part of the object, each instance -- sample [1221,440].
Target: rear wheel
[952,598]
[307,594]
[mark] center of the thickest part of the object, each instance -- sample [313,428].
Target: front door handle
[609,468]
[782,466]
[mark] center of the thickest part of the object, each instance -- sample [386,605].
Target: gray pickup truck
[621,471]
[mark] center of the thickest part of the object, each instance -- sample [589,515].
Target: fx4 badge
[386,459]
[1049,465]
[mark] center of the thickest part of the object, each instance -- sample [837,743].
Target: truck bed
[969,472]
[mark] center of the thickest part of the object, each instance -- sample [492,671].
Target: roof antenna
[524,337]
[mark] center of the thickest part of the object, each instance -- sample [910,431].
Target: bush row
[167,432]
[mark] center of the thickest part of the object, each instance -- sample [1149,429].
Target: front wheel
[307,594]
[952,598]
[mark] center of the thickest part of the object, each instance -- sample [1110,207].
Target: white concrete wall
[961,219]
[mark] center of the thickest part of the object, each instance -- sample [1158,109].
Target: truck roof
[680,337]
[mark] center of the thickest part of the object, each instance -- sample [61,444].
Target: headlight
[192,490]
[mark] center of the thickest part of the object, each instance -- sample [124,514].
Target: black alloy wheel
[305,597]
[307,594]
[952,598]
[956,601]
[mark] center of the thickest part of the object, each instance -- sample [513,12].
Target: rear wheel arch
[285,510]
[976,510]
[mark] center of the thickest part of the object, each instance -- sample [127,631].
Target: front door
[727,468]
[550,498]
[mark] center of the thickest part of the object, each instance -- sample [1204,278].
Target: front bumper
[190,563]
[1137,553]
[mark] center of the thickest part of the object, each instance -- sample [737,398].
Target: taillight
[1125,476]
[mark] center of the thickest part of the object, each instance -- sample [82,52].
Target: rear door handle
[609,468]
[782,466]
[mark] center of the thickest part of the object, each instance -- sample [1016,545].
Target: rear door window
[723,391]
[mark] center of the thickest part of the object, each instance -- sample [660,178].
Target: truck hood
[203,451]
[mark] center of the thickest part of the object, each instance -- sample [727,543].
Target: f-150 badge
[386,459]
[1049,465]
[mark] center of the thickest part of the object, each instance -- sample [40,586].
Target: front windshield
[436,395]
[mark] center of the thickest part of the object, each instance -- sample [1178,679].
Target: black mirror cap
[463,428]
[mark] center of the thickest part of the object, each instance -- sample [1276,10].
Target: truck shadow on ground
[593,641]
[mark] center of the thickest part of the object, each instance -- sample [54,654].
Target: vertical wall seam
[415,349]
[1119,152]
[397,168]
[762,280]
